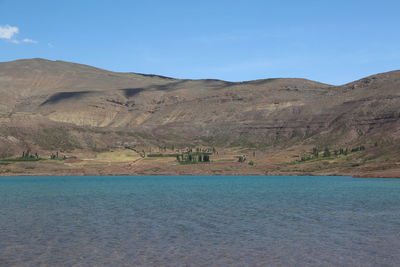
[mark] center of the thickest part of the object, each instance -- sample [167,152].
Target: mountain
[54,105]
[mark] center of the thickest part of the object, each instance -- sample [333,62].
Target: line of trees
[193,157]
[165,148]
[29,155]
[326,153]
[57,156]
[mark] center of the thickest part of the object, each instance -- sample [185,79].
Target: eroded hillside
[54,105]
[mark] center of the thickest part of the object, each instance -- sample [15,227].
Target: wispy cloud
[30,41]
[9,33]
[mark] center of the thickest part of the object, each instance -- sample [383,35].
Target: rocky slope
[54,105]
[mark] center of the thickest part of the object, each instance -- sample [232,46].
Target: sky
[333,42]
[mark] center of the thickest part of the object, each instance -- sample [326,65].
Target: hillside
[48,106]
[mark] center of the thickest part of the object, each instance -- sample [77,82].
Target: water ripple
[199,221]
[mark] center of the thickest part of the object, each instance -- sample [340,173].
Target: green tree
[327,153]
[315,152]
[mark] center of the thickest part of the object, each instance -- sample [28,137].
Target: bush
[327,153]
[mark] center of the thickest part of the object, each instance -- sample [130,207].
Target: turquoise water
[199,221]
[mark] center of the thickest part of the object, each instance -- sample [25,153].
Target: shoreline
[182,175]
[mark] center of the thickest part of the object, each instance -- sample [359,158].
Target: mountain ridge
[53,105]
[43,60]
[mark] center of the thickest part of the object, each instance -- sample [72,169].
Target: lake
[199,221]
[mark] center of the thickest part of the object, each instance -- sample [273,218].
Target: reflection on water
[199,221]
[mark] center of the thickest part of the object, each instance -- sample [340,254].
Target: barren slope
[49,105]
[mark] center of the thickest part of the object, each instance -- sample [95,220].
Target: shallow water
[199,221]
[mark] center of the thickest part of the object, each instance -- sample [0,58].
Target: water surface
[199,221]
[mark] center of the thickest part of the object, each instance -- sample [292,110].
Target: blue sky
[329,41]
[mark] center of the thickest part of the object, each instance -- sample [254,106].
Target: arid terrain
[106,123]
